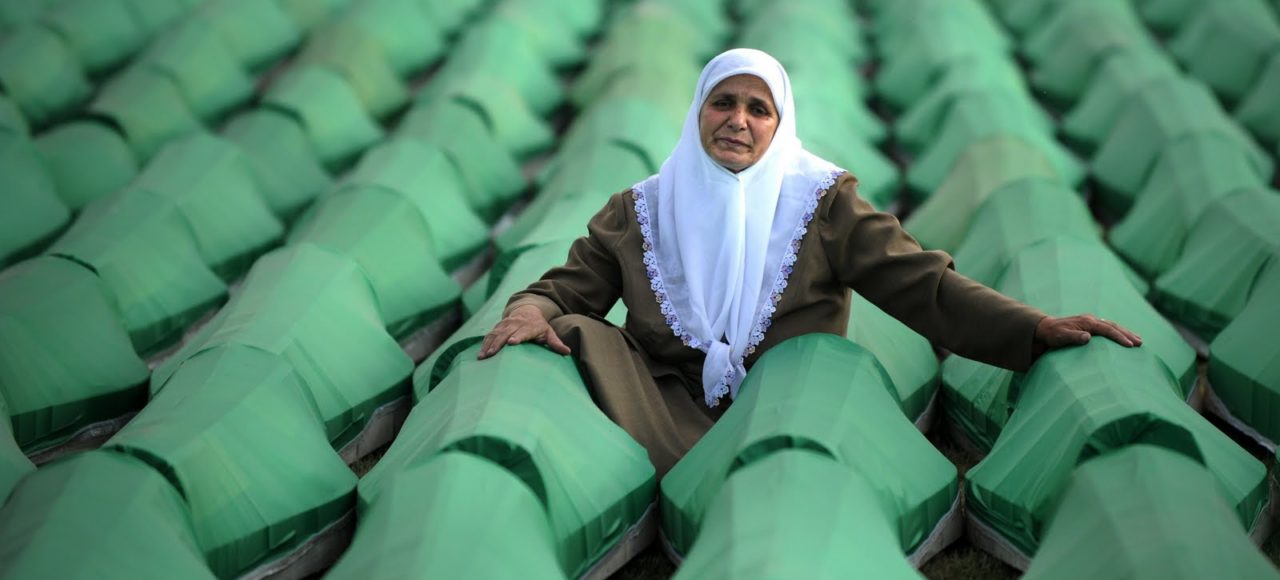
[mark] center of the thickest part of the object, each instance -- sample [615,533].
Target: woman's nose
[738,119]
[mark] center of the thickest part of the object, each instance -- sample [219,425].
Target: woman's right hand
[521,325]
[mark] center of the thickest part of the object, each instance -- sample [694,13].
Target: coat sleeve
[590,281]
[871,253]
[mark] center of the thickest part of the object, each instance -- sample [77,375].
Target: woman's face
[737,121]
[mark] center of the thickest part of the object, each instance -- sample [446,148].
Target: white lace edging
[764,319]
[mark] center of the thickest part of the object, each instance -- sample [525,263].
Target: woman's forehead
[743,85]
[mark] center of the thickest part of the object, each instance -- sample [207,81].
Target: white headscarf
[720,245]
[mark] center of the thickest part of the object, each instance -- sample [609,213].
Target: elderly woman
[741,241]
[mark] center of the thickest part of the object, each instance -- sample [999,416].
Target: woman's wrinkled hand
[1076,330]
[521,325]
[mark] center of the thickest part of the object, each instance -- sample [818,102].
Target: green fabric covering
[17,13]
[257,32]
[121,518]
[195,58]
[1227,46]
[654,78]
[983,168]
[1058,21]
[11,120]
[576,191]
[844,408]
[1155,116]
[212,186]
[328,108]
[1244,361]
[1167,15]
[514,60]
[1144,512]
[357,55]
[1189,175]
[528,410]
[907,76]
[146,254]
[41,74]
[635,121]
[284,165]
[87,161]
[513,124]
[474,297]
[675,48]
[907,357]
[792,26]
[1234,239]
[1118,76]
[155,16]
[1022,213]
[317,310]
[826,105]
[255,487]
[1068,49]
[920,122]
[436,519]
[1063,277]
[67,362]
[579,17]
[539,22]
[797,514]
[148,107]
[385,234]
[1083,402]
[33,212]
[930,115]
[1257,110]
[902,24]
[422,174]
[308,14]
[878,179]
[449,15]
[494,179]
[708,16]
[510,274]
[409,38]
[1023,16]
[102,33]
[14,465]
[981,115]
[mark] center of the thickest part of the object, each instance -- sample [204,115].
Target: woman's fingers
[552,340]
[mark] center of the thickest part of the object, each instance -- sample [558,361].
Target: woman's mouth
[731,142]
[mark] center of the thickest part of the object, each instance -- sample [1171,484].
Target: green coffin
[1227,45]
[454,515]
[11,120]
[328,109]
[878,180]
[308,14]
[316,309]
[1069,48]
[1020,214]
[826,395]
[423,175]
[67,361]
[406,32]
[983,168]
[907,357]
[258,33]
[640,123]
[42,74]
[14,465]
[457,126]
[1188,176]
[196,59]
[1244,360]
[920,122]
[1234,239]
[356,54]
[147,107]
[1062,276]
[1156,115]
[539,22]
[239,435]
[146,255]
[514,125]
[910,73]
[528,410]
[385,234]
[785,26]
[1257,111]
[1088,401]
[796,513]
[978,116]
[155,16]
[102,33]
[121,518]
[514,60]
[87,161]
[1118,77]
[33,212]
[1144,512]
[284,164]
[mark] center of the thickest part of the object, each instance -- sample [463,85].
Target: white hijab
[718,245]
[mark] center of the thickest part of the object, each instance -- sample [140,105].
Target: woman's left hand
[1075,330]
